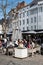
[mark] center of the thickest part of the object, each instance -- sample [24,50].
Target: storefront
[26,34]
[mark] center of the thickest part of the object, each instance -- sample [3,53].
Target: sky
[27,1]
[12,3]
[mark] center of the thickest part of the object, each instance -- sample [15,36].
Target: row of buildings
[26,17]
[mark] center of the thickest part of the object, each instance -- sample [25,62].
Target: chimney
[21,5]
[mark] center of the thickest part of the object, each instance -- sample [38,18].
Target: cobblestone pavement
[9,60]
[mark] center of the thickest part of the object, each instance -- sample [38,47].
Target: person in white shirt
[5,42]
[33,44]
[10,43]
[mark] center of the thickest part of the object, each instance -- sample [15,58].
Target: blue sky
[13,3]
[27,1]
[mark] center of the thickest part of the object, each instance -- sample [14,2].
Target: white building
[30,17]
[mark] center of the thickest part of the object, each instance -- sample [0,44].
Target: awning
[40,32]
[30,32]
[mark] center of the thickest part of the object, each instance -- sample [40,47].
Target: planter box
[21,53]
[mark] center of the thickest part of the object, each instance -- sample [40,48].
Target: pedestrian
[20,44]
[33,44]
[25,43]
[5,42]
[28,44]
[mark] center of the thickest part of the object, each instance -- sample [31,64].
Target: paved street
[9,60]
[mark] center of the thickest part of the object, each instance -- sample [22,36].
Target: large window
[34,11]
[23,22]
[40,9]
[40,20]
[34,19]
[20,22]
[27,13]
[31,20]
[27,21]
[27,28]
[23,14]
[23,28]
[31,27]
[35,27]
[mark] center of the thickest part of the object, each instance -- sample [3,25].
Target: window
[40,9]
[31,20]
[23,28]
[35,27]
[23,22]
[23,14]
[40,20]
[31,27]
[34,11]
[27,21]
[27,13]
[20,15]
[27,28]
[20,22]
[35,19]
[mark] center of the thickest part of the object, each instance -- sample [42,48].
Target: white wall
[38,15]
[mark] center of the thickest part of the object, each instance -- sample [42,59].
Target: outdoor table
[21,52]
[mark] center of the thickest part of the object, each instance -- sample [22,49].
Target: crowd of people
[6,44]
[25,43]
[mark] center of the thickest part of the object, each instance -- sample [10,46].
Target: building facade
[30,16]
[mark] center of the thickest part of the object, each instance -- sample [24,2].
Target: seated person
[20,44]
